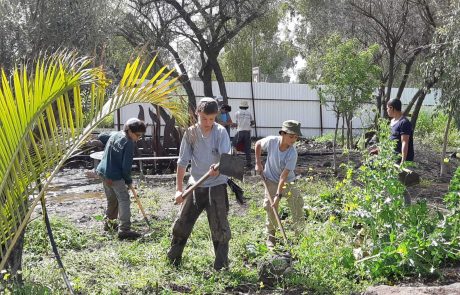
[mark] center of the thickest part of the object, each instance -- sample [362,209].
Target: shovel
[275,211]
[228,165]
[138,201]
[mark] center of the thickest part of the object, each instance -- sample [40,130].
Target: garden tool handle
[196,184]
[275,211]
[138,201]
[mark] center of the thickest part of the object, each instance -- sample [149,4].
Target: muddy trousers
[215,201]
[295,204]
[118,203]
[245,137]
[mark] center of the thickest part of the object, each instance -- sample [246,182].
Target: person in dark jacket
[115,170]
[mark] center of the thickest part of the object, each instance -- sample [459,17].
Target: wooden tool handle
[275,211]
[138,201]
[198,183]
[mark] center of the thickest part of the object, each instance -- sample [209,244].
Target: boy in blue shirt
[202,145]
[115,170]
[279,173]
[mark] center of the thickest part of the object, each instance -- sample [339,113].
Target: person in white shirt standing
[243,123]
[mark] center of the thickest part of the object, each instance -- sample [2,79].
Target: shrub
[430,129]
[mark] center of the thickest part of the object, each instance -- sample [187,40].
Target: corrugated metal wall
[277,102]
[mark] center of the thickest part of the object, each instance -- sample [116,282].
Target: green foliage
[345,76]
[45,120]
[394,239]
[326,261]
[359,232]
[430,129]
[271,55]
[344,73]
[66,236]
[108,122]
[329,136]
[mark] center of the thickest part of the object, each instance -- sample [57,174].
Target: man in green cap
[279,173]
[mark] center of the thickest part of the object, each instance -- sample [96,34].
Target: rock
[390,290]
[274,268]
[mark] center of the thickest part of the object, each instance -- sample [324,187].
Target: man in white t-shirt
[279,173]
[244,122]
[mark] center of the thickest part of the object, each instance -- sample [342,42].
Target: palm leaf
[42,119]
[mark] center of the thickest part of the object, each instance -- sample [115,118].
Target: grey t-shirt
[202,152]
[277,160]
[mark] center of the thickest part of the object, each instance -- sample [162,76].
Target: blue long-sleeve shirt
[117,160]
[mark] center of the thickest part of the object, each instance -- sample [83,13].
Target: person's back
[399,128]
[244,121]
[401,131]
[117,159]
[115,171]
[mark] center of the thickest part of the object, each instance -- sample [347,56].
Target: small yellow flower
[446,160]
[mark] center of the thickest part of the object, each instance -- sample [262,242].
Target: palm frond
[42,125]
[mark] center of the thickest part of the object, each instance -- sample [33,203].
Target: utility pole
[252,85]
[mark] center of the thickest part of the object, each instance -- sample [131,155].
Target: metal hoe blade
[231,166]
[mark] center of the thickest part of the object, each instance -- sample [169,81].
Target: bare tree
[403,29]
[208,25]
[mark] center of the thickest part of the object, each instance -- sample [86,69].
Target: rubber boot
[221,251]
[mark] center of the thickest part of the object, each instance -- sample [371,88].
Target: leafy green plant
[66,236]
[398,240]
[42,125]
[430,130]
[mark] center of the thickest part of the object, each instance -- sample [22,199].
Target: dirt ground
[77,194]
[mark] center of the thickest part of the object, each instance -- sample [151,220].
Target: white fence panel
[276,102]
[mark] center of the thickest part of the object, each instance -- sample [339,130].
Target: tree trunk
[205,74]
[405,77]
[421,92]
[14,264]
[343,131]
[184,79]
[417,108]
[379,104]
[220,79]
[334,143]
[392,53]
[444,145]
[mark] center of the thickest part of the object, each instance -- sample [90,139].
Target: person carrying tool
[115,171]
[202,145]
[243,123]
[279,174]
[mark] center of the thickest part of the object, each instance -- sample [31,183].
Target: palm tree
[42,115]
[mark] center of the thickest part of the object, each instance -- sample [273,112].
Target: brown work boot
[271,241]
[128,235]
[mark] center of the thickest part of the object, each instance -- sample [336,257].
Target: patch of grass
[66,235]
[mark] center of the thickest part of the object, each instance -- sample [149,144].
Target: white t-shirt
[243,120]
[277,160]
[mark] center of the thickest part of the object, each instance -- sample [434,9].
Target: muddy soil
[77,194]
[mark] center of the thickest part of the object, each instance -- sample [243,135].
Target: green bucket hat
[291,127]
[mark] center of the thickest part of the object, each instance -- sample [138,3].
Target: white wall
[277,102]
